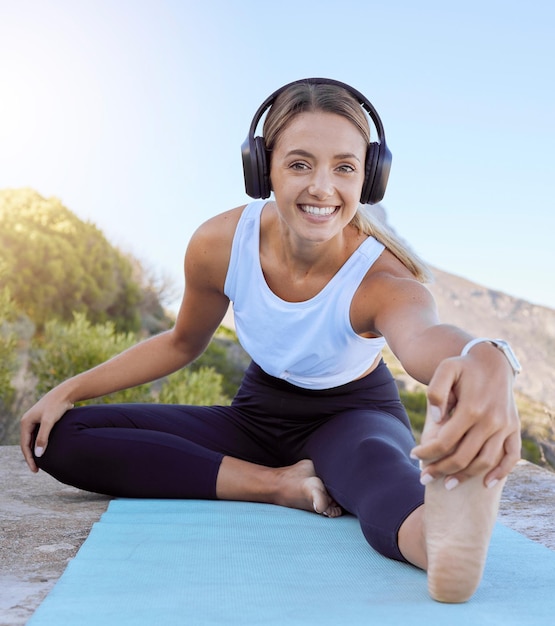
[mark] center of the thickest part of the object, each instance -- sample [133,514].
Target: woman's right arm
[202,310]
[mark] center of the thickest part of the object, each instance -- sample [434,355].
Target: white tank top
[310,344]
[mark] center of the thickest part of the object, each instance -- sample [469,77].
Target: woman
[317,424]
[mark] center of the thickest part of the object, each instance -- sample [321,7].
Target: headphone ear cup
[262,167]
[256,167]
[377,167]
[369,173]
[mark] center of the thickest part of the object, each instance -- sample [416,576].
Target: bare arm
[471,397]
[202,309]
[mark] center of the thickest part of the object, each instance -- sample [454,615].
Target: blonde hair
[308,97]
[369,225]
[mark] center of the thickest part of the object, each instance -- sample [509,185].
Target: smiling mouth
[317,210]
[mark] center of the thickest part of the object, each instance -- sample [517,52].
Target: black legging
[357,435]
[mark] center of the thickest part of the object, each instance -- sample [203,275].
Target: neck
[300,253]
[299,257]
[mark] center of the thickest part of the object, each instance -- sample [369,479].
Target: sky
[132,113]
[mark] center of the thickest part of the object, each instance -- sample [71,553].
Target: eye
[298,166]
[346,168]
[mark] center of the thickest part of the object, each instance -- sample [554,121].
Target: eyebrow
[304,153]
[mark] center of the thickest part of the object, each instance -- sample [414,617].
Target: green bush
[200,387]
[218,356]
[68,349]
[56,264]
[415,403]
[8,349]
[531,451]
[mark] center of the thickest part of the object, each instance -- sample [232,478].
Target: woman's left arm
[472,424]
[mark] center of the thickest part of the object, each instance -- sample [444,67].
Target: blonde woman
[317,290]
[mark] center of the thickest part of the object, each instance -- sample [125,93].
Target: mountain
[485,312]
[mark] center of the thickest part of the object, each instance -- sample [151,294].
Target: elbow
[187,348]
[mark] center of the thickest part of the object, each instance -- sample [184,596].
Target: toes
[319,502]
[329,508]
[334,511]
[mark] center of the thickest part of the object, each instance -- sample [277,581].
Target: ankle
[241,480]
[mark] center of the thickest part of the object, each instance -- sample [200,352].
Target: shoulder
[220,228]
[209,248]
[388,291]
[389,272]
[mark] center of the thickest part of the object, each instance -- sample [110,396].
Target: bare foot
[295,486]
[300,488]
[458,526]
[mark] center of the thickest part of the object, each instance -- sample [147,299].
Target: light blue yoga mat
[199,562]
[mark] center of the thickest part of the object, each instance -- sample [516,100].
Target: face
[317,173]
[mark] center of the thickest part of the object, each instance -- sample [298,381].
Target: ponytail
[366,223]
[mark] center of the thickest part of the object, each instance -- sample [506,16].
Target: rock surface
[43,524]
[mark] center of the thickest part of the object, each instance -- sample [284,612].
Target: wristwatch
[500,344]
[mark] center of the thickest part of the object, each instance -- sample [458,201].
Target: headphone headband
[256,162]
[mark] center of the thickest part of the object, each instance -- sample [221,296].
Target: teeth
[317,210]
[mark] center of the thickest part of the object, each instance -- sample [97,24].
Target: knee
[58,451]
[382,455]
[390,492]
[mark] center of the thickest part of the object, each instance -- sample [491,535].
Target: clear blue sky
[132,112]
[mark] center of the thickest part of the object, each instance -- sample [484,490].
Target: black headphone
[256,162]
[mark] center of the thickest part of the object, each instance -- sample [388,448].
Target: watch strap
[501,345]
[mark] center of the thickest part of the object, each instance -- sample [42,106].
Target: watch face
[508,352]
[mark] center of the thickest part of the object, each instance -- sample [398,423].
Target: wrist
[64,393]
[501,345]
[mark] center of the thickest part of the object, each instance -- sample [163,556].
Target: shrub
[68,349]
[219,357]
[8,349]
[56,264]
[531,451]
[200,387]
[415,403]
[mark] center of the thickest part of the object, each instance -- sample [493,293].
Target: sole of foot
[458,527]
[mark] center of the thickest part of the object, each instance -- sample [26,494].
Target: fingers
[465,463]
[504,454]
[441,390]
[42,437]
[26,442]
[469,430]
[43,415]
[468,456]
[512,457]
[457,442]
[441,401]
[31,451]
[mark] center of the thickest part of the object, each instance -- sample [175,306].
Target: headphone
[256,158]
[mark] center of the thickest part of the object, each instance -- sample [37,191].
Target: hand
[472,426]
[46,412]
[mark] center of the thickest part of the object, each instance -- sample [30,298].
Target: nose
[321,185]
